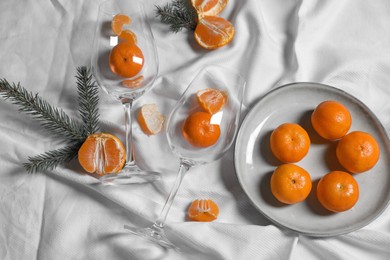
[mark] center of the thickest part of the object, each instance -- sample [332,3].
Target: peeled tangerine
[102,153]
[203,210]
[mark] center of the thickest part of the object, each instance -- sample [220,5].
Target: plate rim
[235,155]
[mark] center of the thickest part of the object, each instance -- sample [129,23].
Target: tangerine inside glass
[105,39]
[228,118]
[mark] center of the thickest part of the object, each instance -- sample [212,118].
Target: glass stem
[160,222]
[128,105]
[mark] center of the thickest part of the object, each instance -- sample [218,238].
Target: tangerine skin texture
[290,183]
[338,191]
[198,131]
[126,59]
[289,143]
[358,152]
[331,120]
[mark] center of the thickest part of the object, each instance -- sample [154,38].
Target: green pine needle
[56,121]
[51,159]
[179,14]
[88,100]
[51,118]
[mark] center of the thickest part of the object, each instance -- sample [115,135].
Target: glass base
[130,175]
[154,234]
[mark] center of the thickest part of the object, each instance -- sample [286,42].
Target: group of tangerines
[126,58]
[103,153]
[356,151]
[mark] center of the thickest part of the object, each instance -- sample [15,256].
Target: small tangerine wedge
[289,142]
[198,130]
[129,36]
[290,183]
[150,119]
[338,191]
[102,153]
[211,100]
[203,210]
[209,7]
[118,21]
[331,120]
[133,83]
[213,32]
[358,151]
[126,59]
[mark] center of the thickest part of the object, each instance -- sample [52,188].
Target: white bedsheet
[63,214]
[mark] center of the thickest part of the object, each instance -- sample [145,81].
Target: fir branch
[179,14]
[51,159]
[88,100]
[51,118]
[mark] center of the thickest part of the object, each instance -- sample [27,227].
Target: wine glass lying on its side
[200,129]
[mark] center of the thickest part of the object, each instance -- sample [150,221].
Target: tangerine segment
[209,7]
[126,59]
[358,152]
[211,100]
[290,183]
[337,191]
[129,36]
[289,143]
[118,21]
[133,83]
[198,130]
[150,120]
[203,210]
[213,32]
[102,153]
[331,120]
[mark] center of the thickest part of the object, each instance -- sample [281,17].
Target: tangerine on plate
[203,210]
[338,191]
[118,21]
[289,142]
[102,153]
[213,32]
[211,100]
[126,59]
[358,151]
[198,130]
[150,120]
[290,183]
[209,7]
[331,120]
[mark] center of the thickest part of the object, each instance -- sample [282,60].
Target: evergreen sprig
[51,118]
[179,14]
[56,120]
[88,97]
[51,159]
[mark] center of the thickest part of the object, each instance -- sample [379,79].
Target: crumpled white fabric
[63,214]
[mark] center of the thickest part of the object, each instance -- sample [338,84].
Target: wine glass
[214,77]
[128,88]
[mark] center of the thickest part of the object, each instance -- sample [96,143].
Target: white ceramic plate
[255,163]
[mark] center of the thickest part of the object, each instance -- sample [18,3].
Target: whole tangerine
[338,191]
[198,130]
[289,142]
[331,120]
[290,183]
[126,59]
[358,151]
